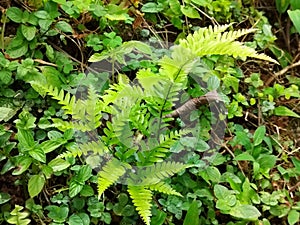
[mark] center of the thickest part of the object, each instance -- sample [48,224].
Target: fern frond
[65,125]
[110,173]
[210,41]
[159,151]
[158,172]
[68,103]
[141,198]
[163,187]
[93,109]
[95,147]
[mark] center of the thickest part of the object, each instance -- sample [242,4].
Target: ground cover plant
[149,112]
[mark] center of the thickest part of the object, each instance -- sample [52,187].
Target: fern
[211,41]
[93,147]
[159,151]
[141,198]
[136,135]
[110,173]
[157,172]
[163,188]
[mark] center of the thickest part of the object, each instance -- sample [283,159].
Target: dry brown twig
[281,72]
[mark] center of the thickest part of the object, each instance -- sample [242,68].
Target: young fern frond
[158,172]
[93,147]
[110,173]
[141,198]
[160,150]
[163,187]
[210,41]
[94,109]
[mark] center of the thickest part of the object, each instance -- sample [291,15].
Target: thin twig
[281,72]
[233,156]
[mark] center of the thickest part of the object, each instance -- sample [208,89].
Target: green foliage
[112,130]
[17,216]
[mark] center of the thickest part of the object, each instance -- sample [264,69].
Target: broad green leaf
[190,12]
[85,172]
[35,185]
[75,220]
[175,6]
[25,138]
[159,218]
[87,191]
[295,4]
[151,7]
[245,156]
[38,154]
[248,212]
[282,5]
[51,145]
[259,135]
[23,164]
[4,197]
[5,76]
[6,113]
[79,219]
[28,32]
[74,188]
[18,51]
[220,191]
[192,215]
[42,14]
[284,111]
[58,214]
[293,217]
[267,161]
[58,164]
[295,18]
[53,76]
[64,27]
[15,14]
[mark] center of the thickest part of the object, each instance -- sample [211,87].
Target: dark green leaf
[4,197]
[14,14]
[282,5]
[58,214]
[192,215]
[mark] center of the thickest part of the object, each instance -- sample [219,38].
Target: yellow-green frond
[163,188]
[214,41]
[158,172]
[141,198]
[110,173]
